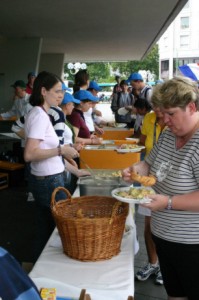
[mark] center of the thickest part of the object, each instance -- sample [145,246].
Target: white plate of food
[126,148]
[133,140]
[133,195]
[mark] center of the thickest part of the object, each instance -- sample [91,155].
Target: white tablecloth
[111,279]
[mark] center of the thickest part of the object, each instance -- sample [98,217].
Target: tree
[100,72]
[151,63]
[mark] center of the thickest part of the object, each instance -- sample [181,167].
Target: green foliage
[151,63]
[100,72]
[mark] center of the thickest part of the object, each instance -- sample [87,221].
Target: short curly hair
[176,92]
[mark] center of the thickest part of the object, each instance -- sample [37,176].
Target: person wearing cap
[72,170]
[143,90]
[122,105]
[91,116]
[31,79]
[18,108]
[67,107]
[77,118]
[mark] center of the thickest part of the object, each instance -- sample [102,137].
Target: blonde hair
[176,92]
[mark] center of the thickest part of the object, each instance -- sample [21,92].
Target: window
[164,65]
[184,40]
[184,22]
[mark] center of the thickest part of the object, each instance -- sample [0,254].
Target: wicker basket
[90,227]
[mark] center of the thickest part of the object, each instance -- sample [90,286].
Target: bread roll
[144,180]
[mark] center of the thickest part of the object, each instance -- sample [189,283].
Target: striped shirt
[58,120]
[178,173]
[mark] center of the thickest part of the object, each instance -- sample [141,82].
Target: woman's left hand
[158,202]
[72,162]
[78,146]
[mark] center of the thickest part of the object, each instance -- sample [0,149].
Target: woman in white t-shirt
[43,151]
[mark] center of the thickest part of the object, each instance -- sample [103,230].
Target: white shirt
[89,120]
[68,135]
[38,126]
[18,109]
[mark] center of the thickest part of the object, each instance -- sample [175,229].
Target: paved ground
[106,111]
[145,290]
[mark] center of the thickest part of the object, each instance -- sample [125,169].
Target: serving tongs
[88,168]
[97,178]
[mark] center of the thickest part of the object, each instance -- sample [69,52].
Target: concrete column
[18,57]
[52,63]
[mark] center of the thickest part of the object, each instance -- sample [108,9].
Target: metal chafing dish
[101,183]
[100,147]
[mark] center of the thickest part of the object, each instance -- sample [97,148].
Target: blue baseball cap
[93,85]
[65,88]
[85,95]
[135,76]
[32,74]
[69,98]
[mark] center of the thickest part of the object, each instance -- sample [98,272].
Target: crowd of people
[54,126]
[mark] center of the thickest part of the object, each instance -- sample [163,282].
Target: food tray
[100,147]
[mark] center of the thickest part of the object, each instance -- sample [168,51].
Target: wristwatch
[169,204]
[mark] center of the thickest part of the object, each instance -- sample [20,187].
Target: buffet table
[111,279]
[107,158]
[117,133]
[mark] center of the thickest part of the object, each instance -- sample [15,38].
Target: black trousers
[179,264]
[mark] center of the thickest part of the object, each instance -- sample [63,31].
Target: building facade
[179,45]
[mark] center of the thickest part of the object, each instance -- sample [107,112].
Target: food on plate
[144,180]
[117,174]
[128,146]
[48,293]
[135,193]
[110,175]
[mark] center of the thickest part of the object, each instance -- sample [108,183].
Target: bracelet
[169,204]
[59,150]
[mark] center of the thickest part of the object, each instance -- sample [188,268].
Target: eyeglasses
[60,91]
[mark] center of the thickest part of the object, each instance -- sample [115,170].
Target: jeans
[42,188]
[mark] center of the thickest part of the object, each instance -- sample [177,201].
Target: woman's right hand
[95,140]
[78,146]
[141,168]
[69,152]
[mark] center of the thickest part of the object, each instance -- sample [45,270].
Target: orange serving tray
[107,159]
[117,134]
